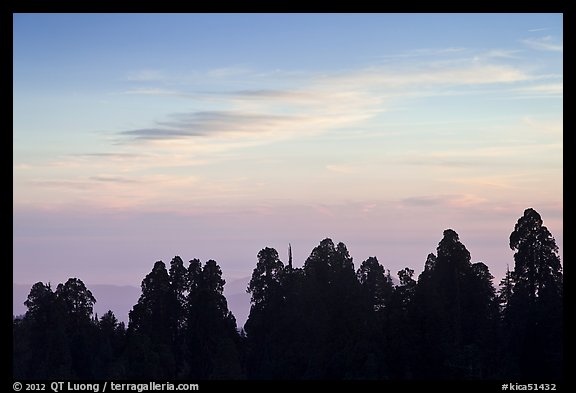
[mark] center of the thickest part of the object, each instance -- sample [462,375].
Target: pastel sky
[138,137]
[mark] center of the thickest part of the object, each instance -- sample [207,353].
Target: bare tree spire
[290,256]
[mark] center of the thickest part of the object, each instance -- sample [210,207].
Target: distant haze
[121,299]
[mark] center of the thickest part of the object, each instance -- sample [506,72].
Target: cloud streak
[327,102]
[451,200]
[471,74]
[113,179]
[157,92]
[346,106]
[548,89]
[214,123]
[538,29]
[545,43]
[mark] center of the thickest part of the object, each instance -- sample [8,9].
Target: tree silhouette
[336,318]
[40,302]
[506,290]
[398,333]
[537,265]
[377,289]
[155,315]
[213,340]
[76,303]
[41,346]
[264,322]
[533,307]
[111,342]
[265,283]
[153,326]
[56,337]
[376,283]
[77,300]
[180,287]
[405,291]
[453,312]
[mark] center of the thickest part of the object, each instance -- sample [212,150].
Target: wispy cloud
[499,54]
[453,200]
[546,43]
[425,52]
[323,103]
[157,133]
[70,184]
[131,162]
[156,92]
[538,29]
[113,156]
[210,123]
[440,160]
[113,191]
[549,127]
[514,151]
[470,74]
[268,109]
[487,182]
[547,89]
[294,96]
[113,179]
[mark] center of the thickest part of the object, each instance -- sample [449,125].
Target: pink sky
[142,137]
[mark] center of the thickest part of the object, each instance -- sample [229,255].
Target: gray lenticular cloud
[205,123]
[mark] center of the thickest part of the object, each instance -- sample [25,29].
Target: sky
[138,137]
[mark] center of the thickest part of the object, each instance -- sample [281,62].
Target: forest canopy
[324,320]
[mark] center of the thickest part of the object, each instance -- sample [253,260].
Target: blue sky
[140,137]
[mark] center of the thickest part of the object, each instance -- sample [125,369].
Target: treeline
[324,320]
